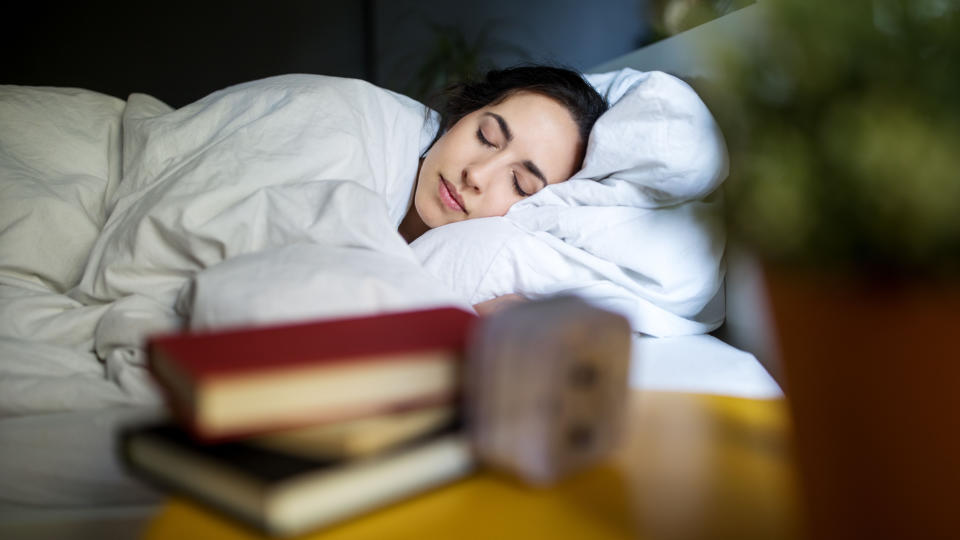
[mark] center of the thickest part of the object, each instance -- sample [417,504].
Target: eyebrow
[532,167]
[503,125]
[507,134]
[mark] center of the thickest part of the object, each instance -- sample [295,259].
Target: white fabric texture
[701,364]
[638,230]
[59,162]
[255,165]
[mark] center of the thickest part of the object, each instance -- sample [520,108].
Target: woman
[502,139]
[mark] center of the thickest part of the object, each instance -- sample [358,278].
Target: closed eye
[516,182]
[483,139]
[516,186]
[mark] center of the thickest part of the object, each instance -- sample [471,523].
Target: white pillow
[59,161]
[636,230]
[141,109]
[658,138]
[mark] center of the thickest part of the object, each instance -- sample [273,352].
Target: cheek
[456,145]
[498,200]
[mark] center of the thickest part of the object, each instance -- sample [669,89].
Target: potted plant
[844,135]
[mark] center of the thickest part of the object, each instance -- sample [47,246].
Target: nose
[477,175]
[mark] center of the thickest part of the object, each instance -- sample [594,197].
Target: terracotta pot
[872,374]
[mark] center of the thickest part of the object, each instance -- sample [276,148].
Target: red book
[245,381]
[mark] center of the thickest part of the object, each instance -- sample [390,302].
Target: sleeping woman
[502,139]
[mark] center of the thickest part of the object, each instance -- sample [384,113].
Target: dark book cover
[257,485]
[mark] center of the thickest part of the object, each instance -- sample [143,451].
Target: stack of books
[293,427]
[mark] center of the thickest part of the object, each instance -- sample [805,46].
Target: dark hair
[565,86]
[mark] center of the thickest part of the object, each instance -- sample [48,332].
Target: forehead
[528,106]
[543,132]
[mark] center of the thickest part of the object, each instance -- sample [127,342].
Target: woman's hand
[496,304]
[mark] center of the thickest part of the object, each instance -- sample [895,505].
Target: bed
[122,218]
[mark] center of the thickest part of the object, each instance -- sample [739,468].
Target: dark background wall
[180,51]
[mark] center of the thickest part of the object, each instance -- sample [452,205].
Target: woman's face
[495,156]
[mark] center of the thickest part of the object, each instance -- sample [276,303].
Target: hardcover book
[241,382]
[283,493]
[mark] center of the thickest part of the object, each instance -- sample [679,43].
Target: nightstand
[690,466]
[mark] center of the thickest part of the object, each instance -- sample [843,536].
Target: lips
[451,199]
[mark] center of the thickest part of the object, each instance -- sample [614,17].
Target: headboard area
[683,55]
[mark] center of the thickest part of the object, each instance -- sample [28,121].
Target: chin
[434,223]
[431,217]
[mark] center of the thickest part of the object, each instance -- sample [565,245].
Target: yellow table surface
[690,466]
